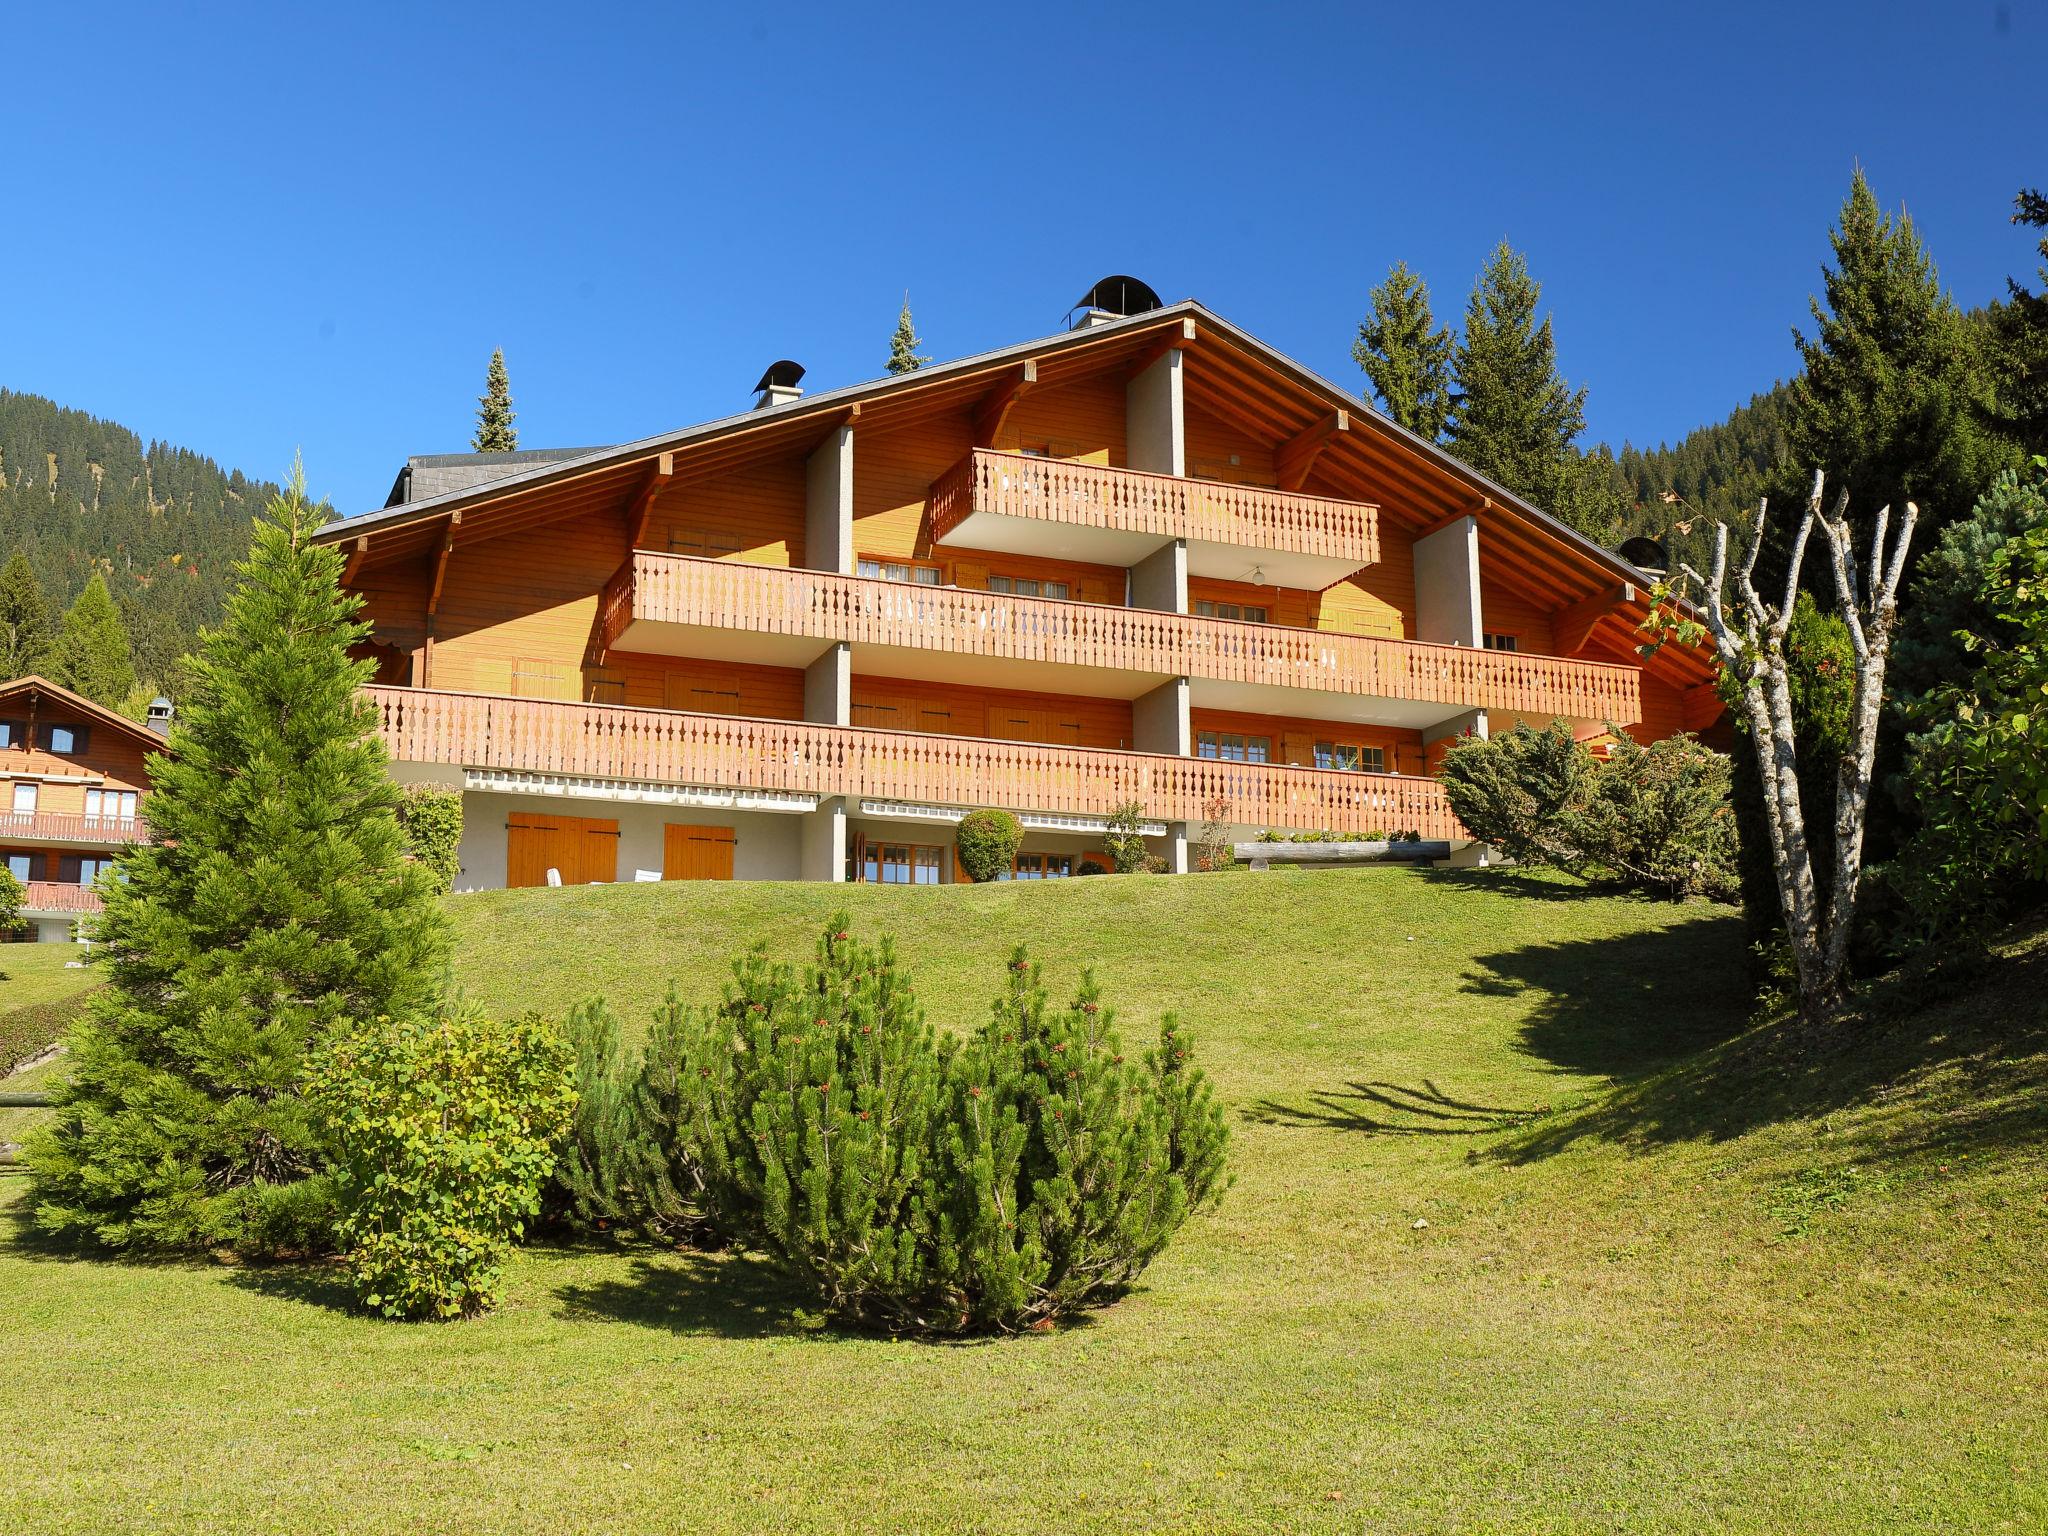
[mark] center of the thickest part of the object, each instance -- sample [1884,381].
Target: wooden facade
[1053,579]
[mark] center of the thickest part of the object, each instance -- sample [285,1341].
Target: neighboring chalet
[76,783]
[1148,559]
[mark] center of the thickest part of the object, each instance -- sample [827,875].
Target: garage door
[582,848]
[696,853]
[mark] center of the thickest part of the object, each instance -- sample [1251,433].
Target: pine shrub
[447,1128]
[987,844]
[1521,791]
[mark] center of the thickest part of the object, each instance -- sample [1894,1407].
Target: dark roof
[427,475]
[30,683]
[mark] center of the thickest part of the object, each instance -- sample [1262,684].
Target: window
[25,799]
[1023,586]
[83,871]
[114,804]
[1349,757]
[1043,866]
[18,866]
[1496,642]
[13,733]
[903,864]
[1245,612]
[1229,747]
[900,570]
[62,738]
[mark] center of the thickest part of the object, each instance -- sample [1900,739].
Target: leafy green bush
[446,1130]
[906,1179]
[1090,865]
[12,894]
[1122,840]
[1520,791]
[987,844]
[37,1026]
[430,816]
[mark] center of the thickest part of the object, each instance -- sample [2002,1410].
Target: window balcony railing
[606,741]
[55,896]
[773,600]
[71,827]
[1167,506]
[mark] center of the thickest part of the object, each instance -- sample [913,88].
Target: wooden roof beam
[441,565]
[1297,456]
[354,563]
[641,507]
[1173,341]
[1572,626]
[993,414]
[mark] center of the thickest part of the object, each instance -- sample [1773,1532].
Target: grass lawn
[1529,1234]
[35,973]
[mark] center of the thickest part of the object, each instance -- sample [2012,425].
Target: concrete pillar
[828,687]
[1159,720]
[1447,585]
[1177,848]
[1160,580]
[1155,421]
[824,841]
[828,504]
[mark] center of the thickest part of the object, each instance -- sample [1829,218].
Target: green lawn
[35,973]
[1528,1235]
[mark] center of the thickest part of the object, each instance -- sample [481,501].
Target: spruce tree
[2020,335]
[1514,419]
[494,430]
[276,906]
[903,353]
[90,654]
[25,627]
[1896,385]
[1406,354]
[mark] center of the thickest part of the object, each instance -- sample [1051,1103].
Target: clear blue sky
[260,230]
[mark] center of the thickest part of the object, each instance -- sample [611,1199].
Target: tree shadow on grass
[1927,1069]
[733,1296]
[1390,1109]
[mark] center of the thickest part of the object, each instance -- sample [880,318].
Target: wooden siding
[689,682]
[892,479]
[953,709]
[755,514]
[1294,736]
[1505,611]
[660,746]
[1221,450]
[1082,421]
[522,606]
[114,759]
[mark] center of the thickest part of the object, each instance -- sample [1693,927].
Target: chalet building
[76,783]
[1146,559]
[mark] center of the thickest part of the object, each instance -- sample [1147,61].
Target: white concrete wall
[824,840]
[828,687]
[767,844]
[1160,720]
[828,504]
[1160,580]
[1155,424]
[1447,585]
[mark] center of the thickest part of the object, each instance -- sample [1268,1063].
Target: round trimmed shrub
[430,816]
[987,843]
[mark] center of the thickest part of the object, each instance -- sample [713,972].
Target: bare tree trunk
[1751,645]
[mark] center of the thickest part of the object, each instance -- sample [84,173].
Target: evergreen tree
[1406,354]
[91,654]
[25,637]
[494,430]
[1897,386]
[1513,418]
[276,905]
[2020,336]
[903,353]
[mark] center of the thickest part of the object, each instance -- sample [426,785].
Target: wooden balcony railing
[673,747]
[1130,501]
[720,594]
[55,896]
[72,827]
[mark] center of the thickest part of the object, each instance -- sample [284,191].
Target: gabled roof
[1231,373]
[31,684]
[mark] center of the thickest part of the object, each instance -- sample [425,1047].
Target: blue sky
[255,232]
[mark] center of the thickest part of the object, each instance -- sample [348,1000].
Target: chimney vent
[160,712]
[780,384]
[1113,298]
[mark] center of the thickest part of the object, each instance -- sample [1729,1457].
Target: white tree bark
[1750,641]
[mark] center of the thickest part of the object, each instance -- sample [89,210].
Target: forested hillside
[1717,473]
[163,524]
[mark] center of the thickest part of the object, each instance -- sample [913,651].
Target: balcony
[680,605]
[603,741]
[48,898]
[1024,504]
[63,827]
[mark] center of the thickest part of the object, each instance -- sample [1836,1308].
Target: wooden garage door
[583,848]
[696,853]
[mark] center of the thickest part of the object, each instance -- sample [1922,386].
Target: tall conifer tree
[1896,387]
[2020,330]
[494,430]
[91,653]
[25,626]
[1514,419]
[1406,354]
[903,353]
[276,905]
